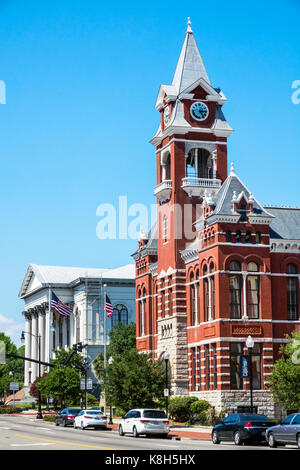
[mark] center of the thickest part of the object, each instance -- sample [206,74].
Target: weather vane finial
[189,29]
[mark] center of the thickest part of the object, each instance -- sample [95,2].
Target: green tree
[12,365]
[133,379]
[62,383]
[285,378]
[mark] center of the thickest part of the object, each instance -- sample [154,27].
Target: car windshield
[154,414]
[254,418]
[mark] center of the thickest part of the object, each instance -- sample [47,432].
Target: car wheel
[121,432]
[134,432]
[74,425]
[237,438]
[298,441]
[56,423]
[82,426]
[215,438]
[271,440]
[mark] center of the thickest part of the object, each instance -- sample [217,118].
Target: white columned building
[82,290]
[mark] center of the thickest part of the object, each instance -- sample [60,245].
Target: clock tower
[191,159]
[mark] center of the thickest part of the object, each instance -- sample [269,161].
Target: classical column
[214,158]
[41,332]
[34,345]
[27,347]
[64,333]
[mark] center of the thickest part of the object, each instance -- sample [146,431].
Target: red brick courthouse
[200,296]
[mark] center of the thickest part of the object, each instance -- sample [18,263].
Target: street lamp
[110,362]
[166,358]
[38,338]
[250,346]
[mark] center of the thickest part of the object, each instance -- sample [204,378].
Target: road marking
[65,442]
[35,444]
[2,427]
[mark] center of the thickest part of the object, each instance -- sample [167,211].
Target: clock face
[199,111]
[166,115]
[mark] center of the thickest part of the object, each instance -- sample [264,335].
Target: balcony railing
[163,190]
[197,186]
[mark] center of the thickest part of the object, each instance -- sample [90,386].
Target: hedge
[8,410]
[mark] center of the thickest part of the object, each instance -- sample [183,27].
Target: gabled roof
[38,276]
[231,187]
[150,242]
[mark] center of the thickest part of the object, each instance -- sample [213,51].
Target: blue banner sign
[245,367]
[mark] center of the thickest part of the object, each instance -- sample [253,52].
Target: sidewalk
[182,432]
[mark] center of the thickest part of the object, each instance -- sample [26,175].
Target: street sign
[14,386]
[2,352]
[89,384]
[166,392]
[245,367]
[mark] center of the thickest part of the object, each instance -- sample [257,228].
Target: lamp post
[250,346]
[110,362]
[38,338]
[166,358]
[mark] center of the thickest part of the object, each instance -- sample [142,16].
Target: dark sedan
[287,432]
[66,417]
[240,428]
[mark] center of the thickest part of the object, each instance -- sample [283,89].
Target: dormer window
[243,211]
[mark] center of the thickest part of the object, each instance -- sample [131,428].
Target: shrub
[200,411]
[10,410]
[50,418]
[180,408]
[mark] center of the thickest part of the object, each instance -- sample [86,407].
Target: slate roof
[286,224]
[233,185]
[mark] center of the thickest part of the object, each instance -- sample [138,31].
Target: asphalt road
[24,433]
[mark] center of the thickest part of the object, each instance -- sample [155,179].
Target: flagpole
[105,315]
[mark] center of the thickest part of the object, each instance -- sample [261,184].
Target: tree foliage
[62,383]
[15,366]
[285,378]
[133,379]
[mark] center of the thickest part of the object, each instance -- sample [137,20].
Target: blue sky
[81,80]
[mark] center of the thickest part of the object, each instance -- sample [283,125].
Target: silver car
[144,421]
[286,432]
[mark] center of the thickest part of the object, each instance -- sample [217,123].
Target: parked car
[90,419]
[240,428]
[66,416]
[286,432]
[144,421]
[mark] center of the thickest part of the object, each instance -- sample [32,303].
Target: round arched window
[120,315]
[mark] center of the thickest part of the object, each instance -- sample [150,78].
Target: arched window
[252,291]
[292,289]
[170,296]
[166,167]
[212,292]
[193,299]
[235,290]
[120,315]
[198,163]
[206,294]
[162,293]
[197,294]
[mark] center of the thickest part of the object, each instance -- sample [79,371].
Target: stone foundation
[230,400]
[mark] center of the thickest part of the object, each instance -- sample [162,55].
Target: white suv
[144,421]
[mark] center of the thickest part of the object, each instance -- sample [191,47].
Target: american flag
[59,306]
[108,307]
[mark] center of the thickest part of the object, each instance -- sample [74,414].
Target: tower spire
[189,29]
